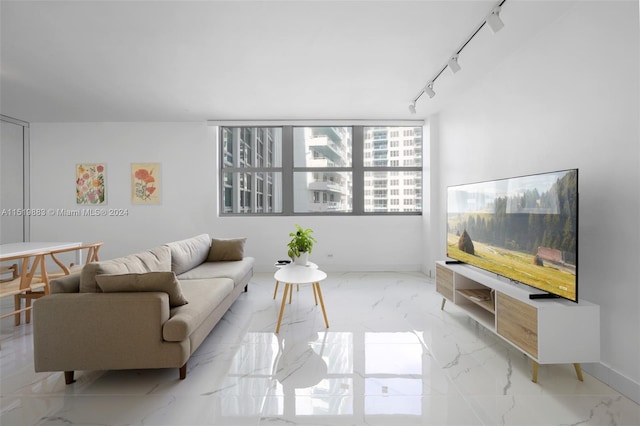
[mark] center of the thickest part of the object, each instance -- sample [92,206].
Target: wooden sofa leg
[183,371]
[68,377]
[246,288]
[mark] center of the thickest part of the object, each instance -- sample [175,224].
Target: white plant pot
[303,259]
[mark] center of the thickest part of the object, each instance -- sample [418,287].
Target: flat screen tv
[523,228]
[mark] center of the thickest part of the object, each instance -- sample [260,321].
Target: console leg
[443,302]
[534,372]
[275,291]
[578,371]
[68,377]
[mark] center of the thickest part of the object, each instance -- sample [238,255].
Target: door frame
[26,223]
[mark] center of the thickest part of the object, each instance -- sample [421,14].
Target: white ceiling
[74,61]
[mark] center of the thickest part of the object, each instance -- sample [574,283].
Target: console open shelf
[481,297]
[549,331]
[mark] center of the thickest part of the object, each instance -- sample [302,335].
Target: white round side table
[282,265]
[294,274]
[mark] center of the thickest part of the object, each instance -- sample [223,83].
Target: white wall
[188,155]
[568,97]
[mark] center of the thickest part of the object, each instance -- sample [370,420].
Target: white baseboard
[329,267]
[615,380]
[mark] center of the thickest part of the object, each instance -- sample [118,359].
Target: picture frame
[91,183]
[145,183]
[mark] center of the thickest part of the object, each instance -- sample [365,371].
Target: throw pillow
[147,281]
[152,260]
[226,249]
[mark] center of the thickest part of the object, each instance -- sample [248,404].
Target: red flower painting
[145,182]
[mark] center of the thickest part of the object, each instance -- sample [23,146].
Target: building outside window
[294,170]
[322,163]
[251,170]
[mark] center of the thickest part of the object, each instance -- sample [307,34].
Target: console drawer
[518,323]
[444,282]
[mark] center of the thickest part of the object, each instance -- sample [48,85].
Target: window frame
[288,169]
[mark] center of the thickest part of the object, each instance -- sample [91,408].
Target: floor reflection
[391,357]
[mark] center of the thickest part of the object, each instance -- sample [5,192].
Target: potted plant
[300,245]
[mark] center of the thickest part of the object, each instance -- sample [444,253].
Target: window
[251,180]
[294,170]
[322,163]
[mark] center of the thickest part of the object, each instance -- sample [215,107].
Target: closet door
[12,200]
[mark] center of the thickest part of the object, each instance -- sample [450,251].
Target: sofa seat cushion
[157,259]
[189,253]
[204,296]
[235,270]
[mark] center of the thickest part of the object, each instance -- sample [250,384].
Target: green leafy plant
[301,241]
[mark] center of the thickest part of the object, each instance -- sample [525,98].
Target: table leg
[315,296]
[78,257]
[45,277]
[284,302]
[324,312]
[276,290]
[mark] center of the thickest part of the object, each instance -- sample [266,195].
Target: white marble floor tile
[391,356]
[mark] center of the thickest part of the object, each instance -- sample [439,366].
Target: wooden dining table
[32,255]
[14,250]
[31,247]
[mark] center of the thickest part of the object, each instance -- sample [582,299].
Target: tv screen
[523,228]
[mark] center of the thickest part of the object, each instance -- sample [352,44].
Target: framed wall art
[145,183]
[91,183]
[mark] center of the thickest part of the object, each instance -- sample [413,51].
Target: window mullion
[287,170]
[357,162]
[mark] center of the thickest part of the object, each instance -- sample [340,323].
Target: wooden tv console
[549,331]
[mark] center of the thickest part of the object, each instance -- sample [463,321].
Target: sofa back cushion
[189,253]
[157,259]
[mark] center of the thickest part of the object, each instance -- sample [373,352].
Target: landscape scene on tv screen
[522,228]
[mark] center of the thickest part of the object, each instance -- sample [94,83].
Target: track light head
[453,64]
[412,107]
[494,21]
[429,90]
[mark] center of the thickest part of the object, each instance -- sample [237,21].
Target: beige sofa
[147,310]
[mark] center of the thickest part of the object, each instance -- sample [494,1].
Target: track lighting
[494,21]
[429,90]
[453,64]
[495,24]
